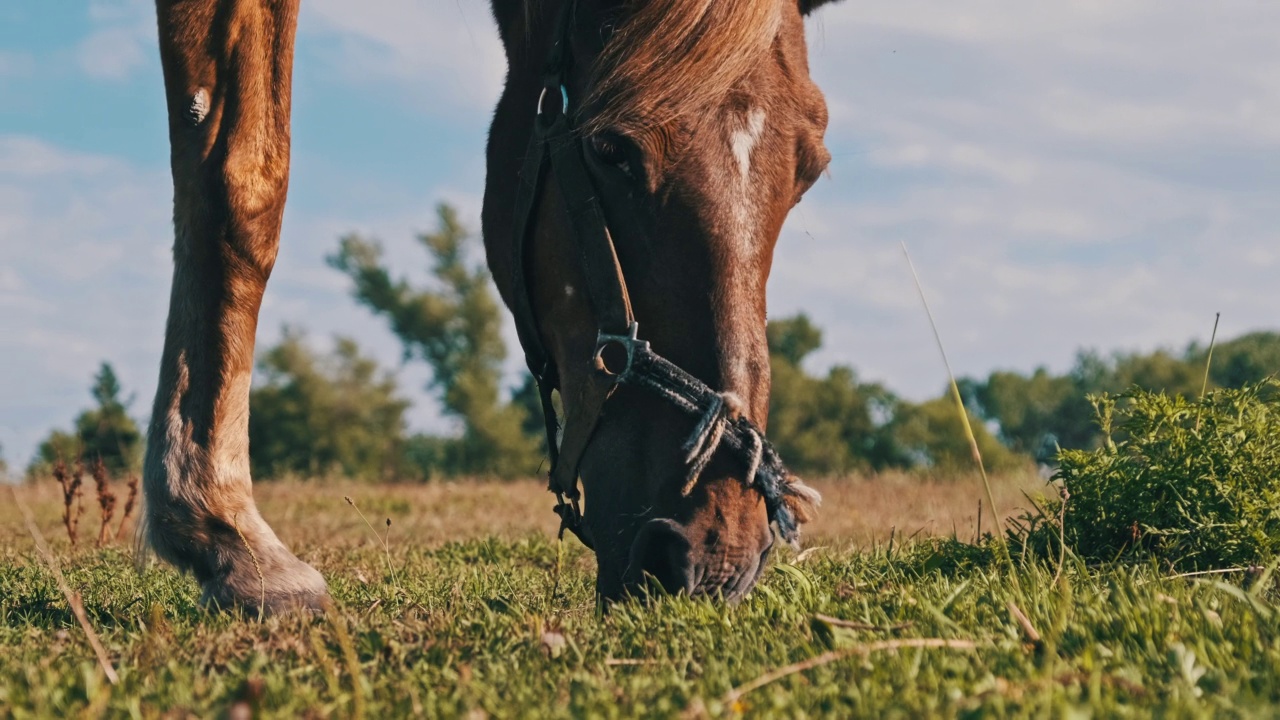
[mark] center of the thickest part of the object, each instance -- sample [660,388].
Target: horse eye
[611,150]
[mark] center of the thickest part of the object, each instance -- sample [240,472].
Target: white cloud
[1067,175]
[30,158]
[123,39]
[442,53]
[85,269]
[82,279]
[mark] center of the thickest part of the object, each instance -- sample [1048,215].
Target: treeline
[337,413]
[1038,413]
[836,424]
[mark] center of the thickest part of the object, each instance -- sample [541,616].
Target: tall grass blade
[73,599]
[964,420]
[386,546]
[1208,363]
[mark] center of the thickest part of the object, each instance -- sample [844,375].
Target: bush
[1193,483]
[314,414]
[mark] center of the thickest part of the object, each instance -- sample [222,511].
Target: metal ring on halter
[629,343]
[564,100]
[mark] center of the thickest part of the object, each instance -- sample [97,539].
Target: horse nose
[662,550]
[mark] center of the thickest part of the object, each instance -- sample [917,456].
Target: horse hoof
[278,585]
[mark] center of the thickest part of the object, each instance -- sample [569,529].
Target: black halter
[620,355]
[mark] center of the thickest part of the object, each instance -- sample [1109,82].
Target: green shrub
[949,557]
[1193,483]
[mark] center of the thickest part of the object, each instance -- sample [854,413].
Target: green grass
[481,626]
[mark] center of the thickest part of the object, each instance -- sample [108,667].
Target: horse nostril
[662,550]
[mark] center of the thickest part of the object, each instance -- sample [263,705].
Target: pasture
[472,609]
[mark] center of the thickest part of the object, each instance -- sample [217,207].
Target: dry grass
[858,511]
[865,510]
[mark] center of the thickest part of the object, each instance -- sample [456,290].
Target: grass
[477,622]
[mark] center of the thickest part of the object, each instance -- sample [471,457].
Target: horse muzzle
[684,560]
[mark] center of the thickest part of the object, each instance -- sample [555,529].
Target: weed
[106,499]
[72,597]
[384,541]
[70,482]
[129,501]
[257,567]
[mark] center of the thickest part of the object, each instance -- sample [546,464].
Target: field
[482,614]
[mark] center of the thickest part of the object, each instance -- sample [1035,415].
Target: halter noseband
[620,355]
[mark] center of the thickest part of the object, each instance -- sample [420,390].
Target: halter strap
[620,355]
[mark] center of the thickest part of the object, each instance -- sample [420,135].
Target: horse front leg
[227,67]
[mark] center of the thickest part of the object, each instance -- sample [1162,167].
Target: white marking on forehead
[743,130]
[744,140]
[568,291]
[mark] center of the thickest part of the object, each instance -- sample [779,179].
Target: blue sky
[1087,173]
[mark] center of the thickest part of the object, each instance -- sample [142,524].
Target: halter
[620,355]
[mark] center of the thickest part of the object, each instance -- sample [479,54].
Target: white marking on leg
[199,107]
[182,457]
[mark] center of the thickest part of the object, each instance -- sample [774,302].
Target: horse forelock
[672,58]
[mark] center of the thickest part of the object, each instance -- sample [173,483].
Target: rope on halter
[718,425]
[704,441]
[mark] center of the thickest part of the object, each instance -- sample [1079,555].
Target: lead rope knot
[705,440]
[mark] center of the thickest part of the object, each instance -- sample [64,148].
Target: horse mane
[671,58]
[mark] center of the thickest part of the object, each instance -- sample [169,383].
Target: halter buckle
[615,354]
[564,100]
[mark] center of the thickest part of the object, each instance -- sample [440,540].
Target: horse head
[641,162]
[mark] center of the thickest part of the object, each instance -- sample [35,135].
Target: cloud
[1081,174]
[86,271]
[123,39]
[442,54]
[82,280]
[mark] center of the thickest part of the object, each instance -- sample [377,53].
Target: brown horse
[674,137]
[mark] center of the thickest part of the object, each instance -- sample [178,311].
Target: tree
[793,339]
[455,327]
[932,435]
[314,415]
[1159,371]
[826,425]
[1036,414]
[105,431]
[1245,360]
[1042,412]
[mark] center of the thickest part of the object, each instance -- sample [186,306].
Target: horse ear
[808,6]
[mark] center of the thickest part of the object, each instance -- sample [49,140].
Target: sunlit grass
[475,621]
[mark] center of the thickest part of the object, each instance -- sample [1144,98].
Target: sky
[1080,174]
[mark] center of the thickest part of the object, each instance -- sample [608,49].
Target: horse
[640,163]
